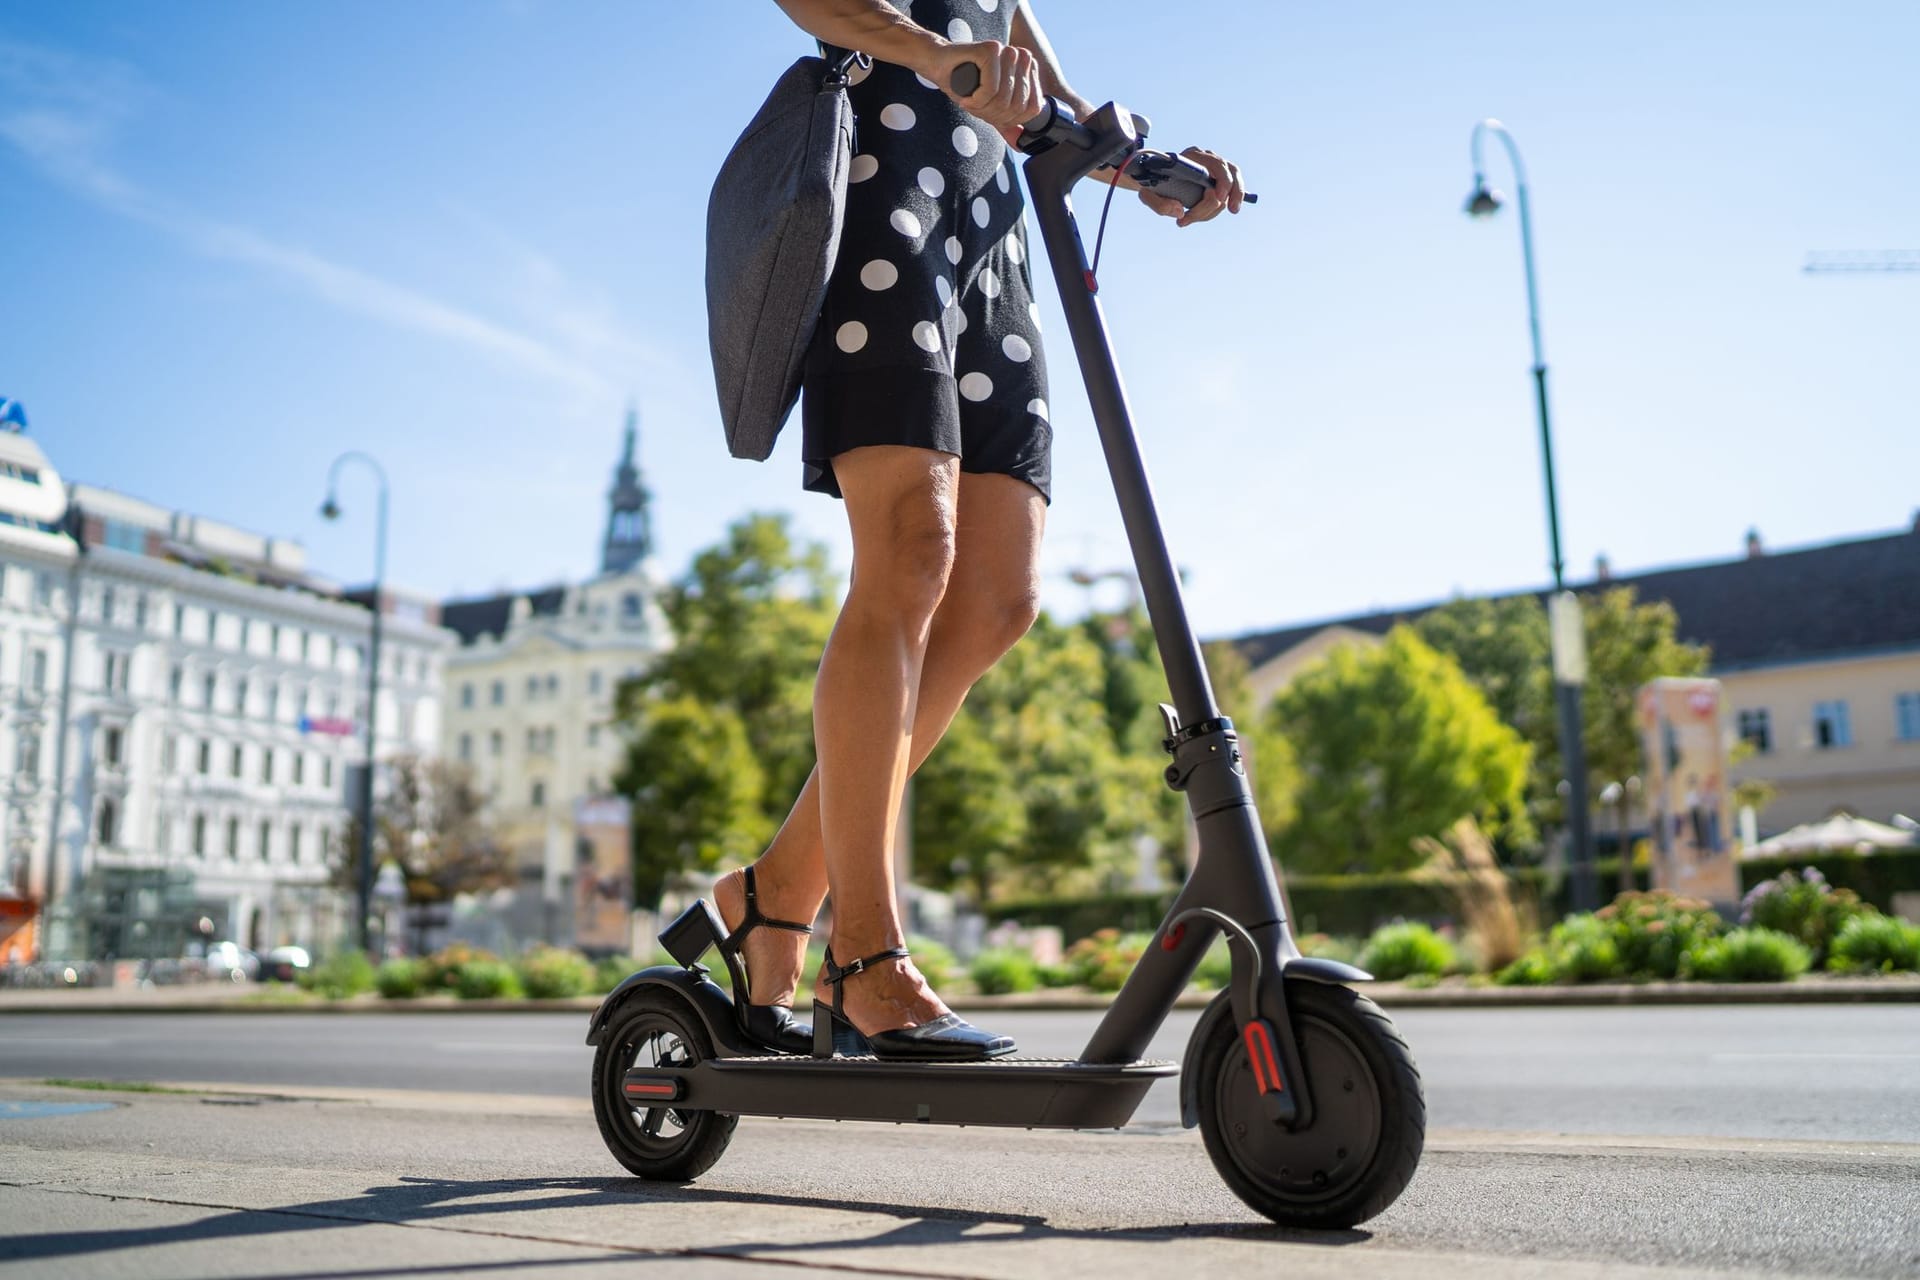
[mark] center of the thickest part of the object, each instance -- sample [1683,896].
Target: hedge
[1357,904]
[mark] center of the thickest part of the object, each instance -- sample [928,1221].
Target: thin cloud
[73,109]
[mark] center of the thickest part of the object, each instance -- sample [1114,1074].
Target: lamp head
[1484,202]
[330,509]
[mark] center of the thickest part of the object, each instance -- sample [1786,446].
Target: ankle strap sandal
[771,1026]
[945,1039]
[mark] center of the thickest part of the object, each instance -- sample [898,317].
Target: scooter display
[1306,1097]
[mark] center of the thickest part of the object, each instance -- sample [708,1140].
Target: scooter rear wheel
[1369,1122]
[666,1144]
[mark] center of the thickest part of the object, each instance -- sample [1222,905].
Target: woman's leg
[991,598]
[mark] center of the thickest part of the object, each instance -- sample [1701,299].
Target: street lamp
[330,509]
[1569,641]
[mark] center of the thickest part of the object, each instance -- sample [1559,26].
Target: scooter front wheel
[654,1028]
[1369,1123]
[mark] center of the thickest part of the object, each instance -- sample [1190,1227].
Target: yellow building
[530,700]
[1817,649]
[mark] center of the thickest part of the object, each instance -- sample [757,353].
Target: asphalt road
[1817,1072]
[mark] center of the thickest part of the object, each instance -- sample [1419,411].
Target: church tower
[629,526]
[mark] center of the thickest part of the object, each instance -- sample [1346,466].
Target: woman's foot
[884,997]
[887,1001]
[771,957]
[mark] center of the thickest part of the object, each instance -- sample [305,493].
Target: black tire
[1370,1117]
[664,1144]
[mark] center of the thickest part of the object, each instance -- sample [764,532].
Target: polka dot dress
[929,335]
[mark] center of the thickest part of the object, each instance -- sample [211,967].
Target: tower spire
[629,537]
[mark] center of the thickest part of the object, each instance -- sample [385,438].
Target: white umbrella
[1841,832]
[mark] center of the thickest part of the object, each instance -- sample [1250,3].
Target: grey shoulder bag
[773,231]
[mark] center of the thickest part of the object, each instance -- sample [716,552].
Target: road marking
[35,1110]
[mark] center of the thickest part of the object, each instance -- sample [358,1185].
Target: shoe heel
[689,937]
[832,1035]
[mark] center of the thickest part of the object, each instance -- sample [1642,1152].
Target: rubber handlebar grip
[965,79]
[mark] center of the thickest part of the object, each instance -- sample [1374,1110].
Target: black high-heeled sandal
[772,1026]
[946,1039]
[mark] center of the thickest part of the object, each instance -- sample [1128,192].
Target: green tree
[698,793]
[1393,743]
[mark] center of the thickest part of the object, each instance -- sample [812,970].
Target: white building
[216,702]
[530,700]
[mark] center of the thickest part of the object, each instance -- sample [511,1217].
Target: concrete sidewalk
[273,1186]
[1903,988]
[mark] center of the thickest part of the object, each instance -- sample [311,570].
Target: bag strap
[840,64]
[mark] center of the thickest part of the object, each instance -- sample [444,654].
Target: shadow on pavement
[429,1201]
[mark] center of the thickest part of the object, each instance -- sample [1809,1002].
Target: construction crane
[1861,261]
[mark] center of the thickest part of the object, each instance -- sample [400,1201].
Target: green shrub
[1324,947]
[399,979]
[1058,975]
[1532,969]
[440,972]
[1003,970]
[1802,905]
[1103,960]
[1582,949]
[486,980]
[610,971]
[1397,951]
[340,975]
[1876,944]
[935,961]
[551,973]
[1216,967]
[1653,932]
[1750,955]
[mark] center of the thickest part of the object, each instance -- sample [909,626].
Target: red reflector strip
[665,1090]
[1266,1073]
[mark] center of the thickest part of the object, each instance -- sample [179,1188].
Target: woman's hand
[1228,192]
[1009,94]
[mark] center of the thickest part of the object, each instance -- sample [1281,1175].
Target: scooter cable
[1100,237]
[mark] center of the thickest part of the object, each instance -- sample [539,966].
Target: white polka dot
[959,32]
[1038,408]
[1000,179]
[953,250]
[959,321]
[897,115]
[1033,310]
[945,290]
[1016,348]
[923,80]
[932,182]
[989,282]
[906,223]
[976,386]
[926,336]
[850,337]
[965,140]
[982,212]
[1015,250]
[879,274]
[990,5]
[862,168]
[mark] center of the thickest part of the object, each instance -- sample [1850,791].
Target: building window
[204,757]
[266,840]
[1906,717]
[27,755]
[553,685]
[533,687]
[213,626]
[175,679]
[106,605]
[326,771]
[109,821]
[533,740]
[124,536]
[140,611]
[162,835]
[306,644]
[239,760]
[240,691]
[630,605]
[207,690]
[466,694]
[299,767]
[499,693]
[466,746]
[200,834]
[293,843]
[539,797]
[179,620]
[169,754]
[496,743]
[112,742]
[117,667]
[246,634]
[1831,727]
[37,670]
[1756,727]
[233,839]
[266,764]
[593,735]
[272,711]
[273,639]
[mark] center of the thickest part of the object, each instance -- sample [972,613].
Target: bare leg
[991,597]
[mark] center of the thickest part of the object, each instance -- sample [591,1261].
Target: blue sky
[238,238]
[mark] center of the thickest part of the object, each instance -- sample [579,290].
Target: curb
[1390,995]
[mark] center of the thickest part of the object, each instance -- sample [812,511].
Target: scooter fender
[706,1000]
[1297,968]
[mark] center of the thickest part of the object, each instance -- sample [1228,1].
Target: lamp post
[1568,634]
[330,509]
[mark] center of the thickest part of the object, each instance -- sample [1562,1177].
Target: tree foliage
[1393,743]
[698,793]
[431,823]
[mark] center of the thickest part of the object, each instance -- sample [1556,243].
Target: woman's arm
[1227,189]
[1009,91]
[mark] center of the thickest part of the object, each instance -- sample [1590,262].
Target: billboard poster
[1689,800]
[602,877]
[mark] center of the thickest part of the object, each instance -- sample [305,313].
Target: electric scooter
[1305,1095]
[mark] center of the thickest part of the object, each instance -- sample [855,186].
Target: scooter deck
[1032,1093]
